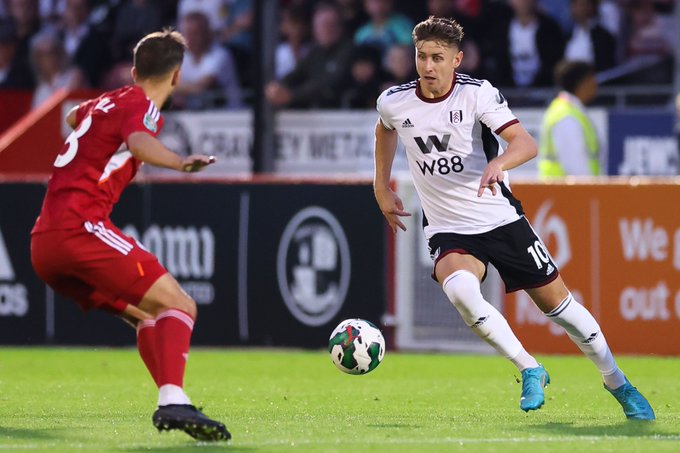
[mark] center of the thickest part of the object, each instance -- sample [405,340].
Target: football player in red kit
[78,252]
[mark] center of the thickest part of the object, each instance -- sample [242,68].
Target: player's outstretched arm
[521,148]
[390,204]
[150,150]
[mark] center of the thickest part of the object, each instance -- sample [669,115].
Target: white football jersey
[448,142]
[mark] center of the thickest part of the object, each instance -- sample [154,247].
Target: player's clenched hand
[392,208]
[197,162]
[493,173]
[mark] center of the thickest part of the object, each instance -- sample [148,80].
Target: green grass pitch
[282,400]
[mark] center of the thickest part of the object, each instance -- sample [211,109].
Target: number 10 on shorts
[539,254]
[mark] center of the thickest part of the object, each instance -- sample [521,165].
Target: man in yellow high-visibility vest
[569,144]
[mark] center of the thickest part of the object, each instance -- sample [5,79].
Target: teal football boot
[533,382]
[635,406]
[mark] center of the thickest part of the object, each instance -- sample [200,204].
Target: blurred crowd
[331,53]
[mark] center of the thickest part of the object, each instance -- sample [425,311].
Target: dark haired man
[445,121]
[569,144]
[81,254]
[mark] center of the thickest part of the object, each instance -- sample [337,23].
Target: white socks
[172,394]
[462,289]
[583,330]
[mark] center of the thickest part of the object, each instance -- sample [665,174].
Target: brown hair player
[78,252]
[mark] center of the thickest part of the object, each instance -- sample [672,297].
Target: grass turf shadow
[28,434]
[629,428]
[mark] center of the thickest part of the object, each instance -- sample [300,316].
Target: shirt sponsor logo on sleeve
[150,123]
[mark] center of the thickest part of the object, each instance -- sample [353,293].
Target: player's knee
[462,288]
[185,304]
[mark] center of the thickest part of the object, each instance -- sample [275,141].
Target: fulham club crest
[456,116]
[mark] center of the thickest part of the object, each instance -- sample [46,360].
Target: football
[356,346]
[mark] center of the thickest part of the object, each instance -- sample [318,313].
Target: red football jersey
[95,165]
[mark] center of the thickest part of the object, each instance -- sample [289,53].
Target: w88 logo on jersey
[442,166]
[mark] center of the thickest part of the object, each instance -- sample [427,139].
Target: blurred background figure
[385,28]
[237,30]
[400,65]
[214,10]
[526,45]
[367,77]
[569,144]
[318,79]
[51,11]
[208,77]
[85,46]
[353,15]
[134,19]
[51,68]
[295,30]
[15,73]
[588,40]
[23,14]
[651,33]
[231,23]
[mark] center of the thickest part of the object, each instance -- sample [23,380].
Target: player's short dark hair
[438,29]
[159,53]
[570,74]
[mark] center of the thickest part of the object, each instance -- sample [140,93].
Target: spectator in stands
[588,40]
[26,23]
[134,20]
[84,45]
[318,79]
[400,65]
[569,143]
[214,10]
[367,79]
[652,33]
[559,10]
[51,11]
[526,48]
[353,15]
[610,15]
[385,28]
[295,28]
[237,30]
[51,67]
[467,14]
[231,22]
[208,76]
[15,74]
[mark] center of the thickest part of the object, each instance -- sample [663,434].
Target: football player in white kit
[446,121]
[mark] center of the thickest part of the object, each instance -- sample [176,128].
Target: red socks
[146,344]
[173,336]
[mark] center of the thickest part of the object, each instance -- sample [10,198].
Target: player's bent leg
[462,287]
[582,328]
[172,328]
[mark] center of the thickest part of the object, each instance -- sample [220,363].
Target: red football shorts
[97,265]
